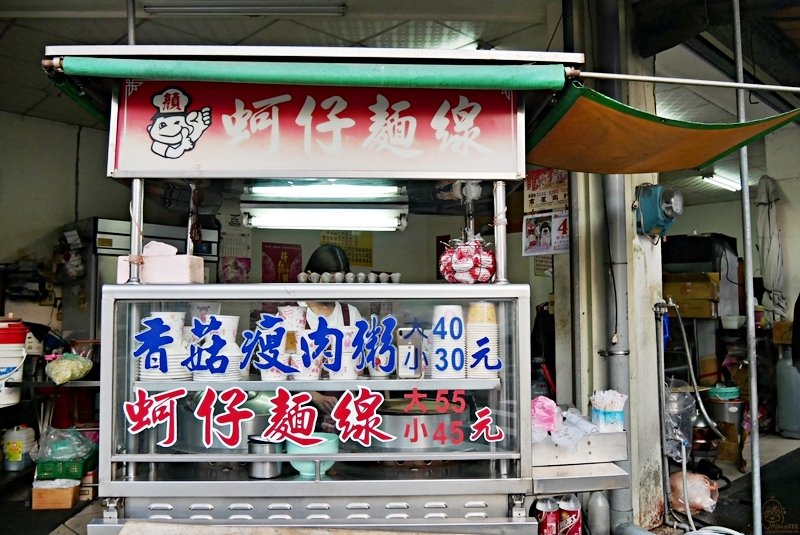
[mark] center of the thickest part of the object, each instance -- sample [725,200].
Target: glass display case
[243,393]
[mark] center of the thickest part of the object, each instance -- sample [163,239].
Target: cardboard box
[709,370]
[690,286]
[55,498]
[782,332]
[90,478]
[695,308]
[164,269]
[87,494]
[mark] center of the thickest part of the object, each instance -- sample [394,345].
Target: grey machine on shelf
[103,241]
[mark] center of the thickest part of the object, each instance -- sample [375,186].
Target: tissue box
[608,421]
[164,269]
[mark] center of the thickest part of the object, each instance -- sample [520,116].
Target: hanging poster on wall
[546,190]
[356,243]
[281,262]
[235,270]
[545,234]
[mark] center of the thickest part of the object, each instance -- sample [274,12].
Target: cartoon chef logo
[175,130]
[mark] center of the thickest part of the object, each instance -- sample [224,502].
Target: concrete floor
[772,447]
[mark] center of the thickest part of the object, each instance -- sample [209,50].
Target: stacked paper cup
[447,359]
[177,352]
[273,373]
[482,335]
[227,331]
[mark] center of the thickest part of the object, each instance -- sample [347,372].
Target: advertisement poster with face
[545,234]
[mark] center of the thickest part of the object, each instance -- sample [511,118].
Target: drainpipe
[617,351]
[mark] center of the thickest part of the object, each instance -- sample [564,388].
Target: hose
[686,486]
[711,423]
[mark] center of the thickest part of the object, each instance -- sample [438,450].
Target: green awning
[514,77]
[589,132]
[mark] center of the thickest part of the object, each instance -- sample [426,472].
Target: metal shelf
[10,476]
[327,384]
[68,384]
[579,478]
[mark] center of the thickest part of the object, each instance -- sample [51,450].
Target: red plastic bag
[703,493]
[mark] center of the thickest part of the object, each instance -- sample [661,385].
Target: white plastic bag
[70,367]
[703,493]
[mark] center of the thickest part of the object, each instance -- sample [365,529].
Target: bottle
[570,518]
[17,445]
[547,516]
[599,514]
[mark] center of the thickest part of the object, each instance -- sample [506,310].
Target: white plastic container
[12,358]
[17,445]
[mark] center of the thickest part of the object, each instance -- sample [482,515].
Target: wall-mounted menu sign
[219,130]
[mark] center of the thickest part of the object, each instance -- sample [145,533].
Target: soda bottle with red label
[570,519]
[547,516]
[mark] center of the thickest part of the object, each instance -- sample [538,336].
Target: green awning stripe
[562,106]
[74,92]
[513,77]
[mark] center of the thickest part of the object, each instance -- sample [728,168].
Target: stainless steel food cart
[451,484]
[463,478]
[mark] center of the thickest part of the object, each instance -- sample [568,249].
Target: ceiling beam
[662,24]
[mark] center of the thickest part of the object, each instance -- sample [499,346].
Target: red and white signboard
[224,130]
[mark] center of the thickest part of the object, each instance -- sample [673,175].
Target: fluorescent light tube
[245,8]
[325,218]
[326,191]
[722,182]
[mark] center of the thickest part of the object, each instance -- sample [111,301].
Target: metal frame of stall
[552,470]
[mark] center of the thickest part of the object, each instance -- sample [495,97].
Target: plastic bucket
[11,362]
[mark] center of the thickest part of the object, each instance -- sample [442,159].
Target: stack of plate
[447,358]
[482,335]
[232,372]
[175,372]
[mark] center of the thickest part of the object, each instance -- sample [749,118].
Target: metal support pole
[575,289]
[131,22]
[660,310]
[192,219]
[748,280]
[500,223]
[137,212]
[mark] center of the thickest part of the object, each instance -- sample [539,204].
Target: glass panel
[393,379]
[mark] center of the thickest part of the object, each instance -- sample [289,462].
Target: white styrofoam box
[164,269]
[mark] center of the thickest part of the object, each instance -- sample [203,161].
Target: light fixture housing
[722,182]
[309,216]
[331,191]
[221,8]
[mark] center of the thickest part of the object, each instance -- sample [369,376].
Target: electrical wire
[555,30]
[727,271]
[611,271]
[711,422]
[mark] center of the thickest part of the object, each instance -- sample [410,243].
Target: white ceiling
[706,105]
[26,27]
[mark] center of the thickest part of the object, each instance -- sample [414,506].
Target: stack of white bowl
[227,331]
[482,326]
[177,352]
[427,352]
[448,343]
